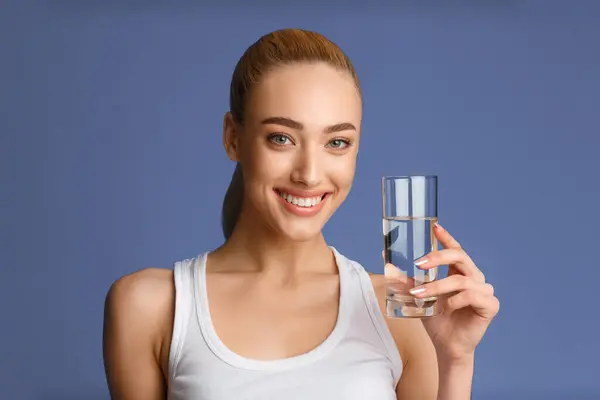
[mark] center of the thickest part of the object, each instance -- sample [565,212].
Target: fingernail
[421,262]
[417,290]
[437,225]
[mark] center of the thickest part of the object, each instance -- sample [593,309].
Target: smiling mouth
[305,202]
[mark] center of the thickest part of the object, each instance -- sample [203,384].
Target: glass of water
[409,213]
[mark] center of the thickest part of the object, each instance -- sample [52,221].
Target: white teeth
[301,201]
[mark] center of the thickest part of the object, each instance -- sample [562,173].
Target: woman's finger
[445,238]
[456,257]
[394,275]
[451,284]
[483,304]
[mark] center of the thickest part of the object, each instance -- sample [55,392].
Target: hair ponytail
[232,204]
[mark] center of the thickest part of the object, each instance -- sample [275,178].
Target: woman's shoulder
[147,295]
[145,289]
[141,303]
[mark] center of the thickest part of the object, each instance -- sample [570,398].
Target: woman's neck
[255,248]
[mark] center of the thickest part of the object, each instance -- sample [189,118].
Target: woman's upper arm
[137,312]
[420,377]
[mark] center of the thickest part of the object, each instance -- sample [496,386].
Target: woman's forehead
[307,93]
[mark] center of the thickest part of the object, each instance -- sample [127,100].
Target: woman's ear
[231,137]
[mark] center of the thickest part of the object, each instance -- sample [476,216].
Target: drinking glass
[409,213]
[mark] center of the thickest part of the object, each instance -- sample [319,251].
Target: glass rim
[386,177]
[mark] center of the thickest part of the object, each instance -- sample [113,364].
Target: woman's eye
[338,144]
[281,140]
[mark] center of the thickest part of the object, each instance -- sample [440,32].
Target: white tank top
[358,360]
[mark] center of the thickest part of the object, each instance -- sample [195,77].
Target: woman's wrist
[455,377]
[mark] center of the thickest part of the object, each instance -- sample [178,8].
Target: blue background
[111,161]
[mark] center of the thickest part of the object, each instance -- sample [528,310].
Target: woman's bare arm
[420,377]
[138,313]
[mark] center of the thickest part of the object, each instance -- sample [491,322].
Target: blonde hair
[275,49]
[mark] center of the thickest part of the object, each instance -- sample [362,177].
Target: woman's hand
[468,304]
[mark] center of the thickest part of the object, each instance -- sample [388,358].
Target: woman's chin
[300,232]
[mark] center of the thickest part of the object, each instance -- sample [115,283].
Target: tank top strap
[378,320]
[183,276]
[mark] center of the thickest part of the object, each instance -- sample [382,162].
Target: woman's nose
[307,170]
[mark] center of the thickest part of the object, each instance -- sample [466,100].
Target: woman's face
[298,147]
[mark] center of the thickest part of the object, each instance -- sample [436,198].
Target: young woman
[276,313]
